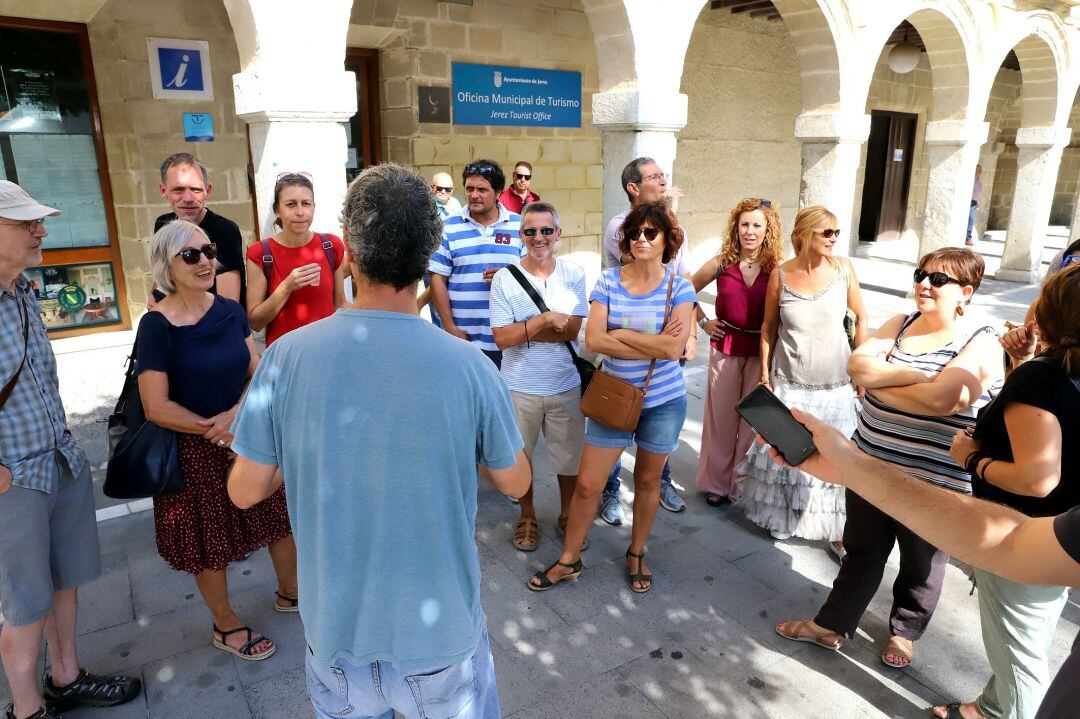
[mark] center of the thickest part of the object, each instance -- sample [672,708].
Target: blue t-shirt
[645,314]
[207,362]
[466,250]
[378,421]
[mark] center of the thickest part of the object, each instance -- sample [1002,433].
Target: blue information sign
[500,95]
[181,69]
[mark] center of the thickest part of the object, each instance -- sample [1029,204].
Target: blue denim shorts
[657,431]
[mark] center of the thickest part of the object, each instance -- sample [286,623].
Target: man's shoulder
[213,223]
[571,271]
[163,220]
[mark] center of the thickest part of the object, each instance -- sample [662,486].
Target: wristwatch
[702,321]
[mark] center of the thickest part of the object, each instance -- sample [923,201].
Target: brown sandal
[894,647]
[526,534]
[795,634]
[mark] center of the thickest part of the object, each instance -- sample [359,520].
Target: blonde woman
[753,246]
[804,354]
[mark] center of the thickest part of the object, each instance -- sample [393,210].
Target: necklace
[749,263]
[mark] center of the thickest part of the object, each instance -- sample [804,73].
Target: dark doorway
[364,141]
[889,152]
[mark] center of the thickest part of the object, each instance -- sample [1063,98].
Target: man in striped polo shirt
[475,245]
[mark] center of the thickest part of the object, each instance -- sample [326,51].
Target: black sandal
[90,690]
[292,604]
[546,583]
[638,576]
[716,500]
[247,650]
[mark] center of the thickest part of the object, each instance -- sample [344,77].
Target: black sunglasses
[190,255]
[443,189]
[650,233]
[477,169]
[519,176]
[545,231]
[937,279]
[829,233]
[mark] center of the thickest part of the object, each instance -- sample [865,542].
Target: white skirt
[784,500]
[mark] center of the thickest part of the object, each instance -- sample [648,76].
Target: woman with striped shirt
[634,324]
[926,374]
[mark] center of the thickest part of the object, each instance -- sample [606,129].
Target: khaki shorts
[563,424]
[48,542]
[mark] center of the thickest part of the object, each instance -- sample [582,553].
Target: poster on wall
[180,69]
[523,96]
[28,101]
[75,295]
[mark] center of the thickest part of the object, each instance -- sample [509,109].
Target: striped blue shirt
[540,368]
[645,314]
[467,249]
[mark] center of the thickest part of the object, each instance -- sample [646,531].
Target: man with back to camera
[48,526]
[475,245]
[515,197]
[185,183]
[643,181]
[389,573]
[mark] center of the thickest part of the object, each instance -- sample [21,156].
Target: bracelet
[702,321]
[967,461]
[985,468]
[971,464]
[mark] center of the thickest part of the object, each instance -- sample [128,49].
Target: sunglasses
[937,279]
[190,255]
[439,188]
[649,233]
[478,169]
[519,176]
[294,175]
[763,203]
[1065,261]
[545,231]
[828,233]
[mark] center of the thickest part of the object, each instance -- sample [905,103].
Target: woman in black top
[1019,457]
[195,355]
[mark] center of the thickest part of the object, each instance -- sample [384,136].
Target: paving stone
[279,696]
[197,684]
[609,696]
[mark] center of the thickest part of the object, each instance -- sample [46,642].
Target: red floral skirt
[199,528]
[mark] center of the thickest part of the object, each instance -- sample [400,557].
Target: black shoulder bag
[144,458]
[584,367]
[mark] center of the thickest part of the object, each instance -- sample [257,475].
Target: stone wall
[742,79]
[1061,212]
[551,34]
[140,131]
[1004,180]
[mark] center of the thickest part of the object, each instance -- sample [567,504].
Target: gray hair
[632,173]
[391,224]
[183,158]
[164,246]
[540,207]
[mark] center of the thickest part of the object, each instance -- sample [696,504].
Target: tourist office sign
[501,95]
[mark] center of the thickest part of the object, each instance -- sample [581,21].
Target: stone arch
[1039,45]
[815,26]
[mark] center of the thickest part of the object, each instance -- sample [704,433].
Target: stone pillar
[989,160]
[1074,227]
[635,124]
[954,151]
[1036,177]
[831,155]
[295,101]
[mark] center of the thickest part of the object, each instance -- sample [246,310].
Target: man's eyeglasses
[190,255]
[519,176]
[1068,260]
[290,175]
[649,233]
[31,225]
[828,233]
[937,279]
[439,188]
[479,169]
[545,231]
[655,177]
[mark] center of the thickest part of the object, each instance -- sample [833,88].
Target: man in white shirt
[537,364]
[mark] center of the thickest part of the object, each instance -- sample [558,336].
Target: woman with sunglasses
[195,355]
[926,375]
[753,246]
[297,276]
[1023,454]
[804,350]
[634,323]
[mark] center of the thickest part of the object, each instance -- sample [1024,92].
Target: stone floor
[700,644]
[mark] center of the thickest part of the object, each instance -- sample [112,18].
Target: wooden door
[365,141]
[894,193]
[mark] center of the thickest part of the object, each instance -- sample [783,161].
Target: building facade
[880,111]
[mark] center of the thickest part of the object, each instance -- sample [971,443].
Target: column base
[1026,277]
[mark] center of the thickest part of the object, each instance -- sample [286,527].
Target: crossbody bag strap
[328,249]
[537,300]
[667,312]
[10,386]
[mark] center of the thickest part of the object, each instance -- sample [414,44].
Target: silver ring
[221,442]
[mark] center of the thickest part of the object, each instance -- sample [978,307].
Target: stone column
[1074,227]
[831,154]
[954,151]
[989,160]
[1036,177]
[635,124]
[295,101]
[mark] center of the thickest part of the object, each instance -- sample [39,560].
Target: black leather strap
[537,300]
[10,386]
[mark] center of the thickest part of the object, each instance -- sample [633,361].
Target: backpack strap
[328,248]
[267,262]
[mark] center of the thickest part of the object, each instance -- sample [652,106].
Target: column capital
[639,110]
[832,127]
[1042,138]
[262,99]
[956,132]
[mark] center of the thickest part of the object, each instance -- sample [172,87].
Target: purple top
[742,310]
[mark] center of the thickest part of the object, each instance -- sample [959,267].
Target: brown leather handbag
[617,403]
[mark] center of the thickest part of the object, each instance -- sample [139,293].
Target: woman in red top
[303,285]
[752,247]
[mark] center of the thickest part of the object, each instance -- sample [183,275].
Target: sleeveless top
[812,348]
[919,443]
[741,310]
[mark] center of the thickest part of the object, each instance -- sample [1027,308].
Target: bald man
[443,187]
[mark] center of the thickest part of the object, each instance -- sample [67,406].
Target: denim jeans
[613,482]
[971,219]
[375,691]
[435,320]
